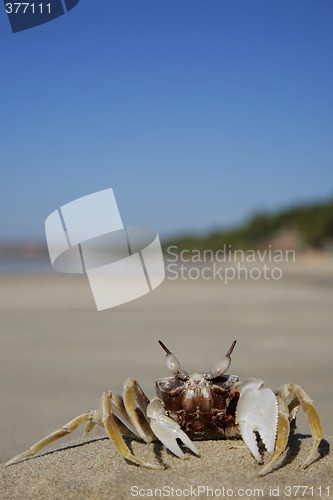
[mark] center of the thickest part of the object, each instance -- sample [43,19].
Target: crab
[198,406]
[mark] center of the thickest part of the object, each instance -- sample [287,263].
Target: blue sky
[198,113]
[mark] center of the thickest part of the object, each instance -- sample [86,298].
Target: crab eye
[171,360]
[222,365]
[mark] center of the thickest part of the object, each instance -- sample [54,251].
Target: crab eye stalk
[172,362]
[222,365]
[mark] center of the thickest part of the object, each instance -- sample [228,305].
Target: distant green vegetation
[311,224]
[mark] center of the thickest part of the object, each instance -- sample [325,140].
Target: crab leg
[134,398]
[88,428]
[63,431]
[297,396]
[114,433]
[118,410]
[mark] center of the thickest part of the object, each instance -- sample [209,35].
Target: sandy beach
[58,355]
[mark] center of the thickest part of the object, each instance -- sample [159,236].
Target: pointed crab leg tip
[136,461]
[306,464]
[154,466]
[312,456]
[265,471]
[11,462]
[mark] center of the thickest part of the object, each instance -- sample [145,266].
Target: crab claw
[257,411]
[167,430]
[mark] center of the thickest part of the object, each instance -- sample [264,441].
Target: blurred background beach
[212,122]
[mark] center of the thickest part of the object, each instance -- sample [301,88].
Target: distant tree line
[313,223]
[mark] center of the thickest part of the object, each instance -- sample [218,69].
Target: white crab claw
[167,430]
[257,411]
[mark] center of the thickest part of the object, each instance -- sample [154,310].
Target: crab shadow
[293,449]
[157,451]
[294,446]
[292,452]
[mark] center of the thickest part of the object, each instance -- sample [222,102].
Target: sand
[93,470]
[58,354]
